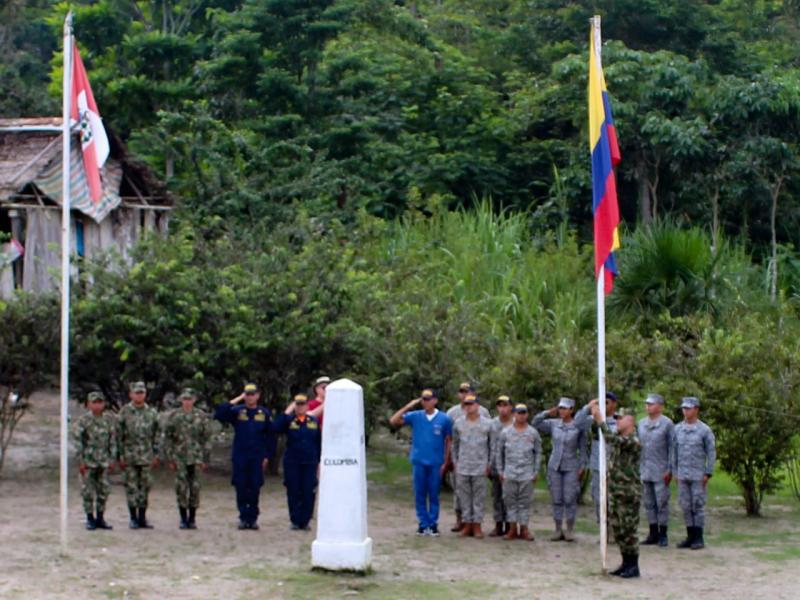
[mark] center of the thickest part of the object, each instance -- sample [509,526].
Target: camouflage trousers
[623,517]
[138,481]
[187,485]
[95,489]
[692,498]
[518,496]
[564,490]
[498,503]
[655,498]
[471,491]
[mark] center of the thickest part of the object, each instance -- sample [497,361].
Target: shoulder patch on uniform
[294,425]
[312,425]
[260,416]
[243,415]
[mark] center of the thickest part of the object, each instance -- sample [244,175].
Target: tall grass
[522,287]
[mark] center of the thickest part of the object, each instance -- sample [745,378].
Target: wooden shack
[133,203]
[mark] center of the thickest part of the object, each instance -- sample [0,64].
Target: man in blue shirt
[253,447]
[430,445]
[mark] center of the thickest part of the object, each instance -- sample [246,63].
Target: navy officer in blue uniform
[253,447]
[301,459]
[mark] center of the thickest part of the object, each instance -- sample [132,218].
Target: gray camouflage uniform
[655,435]
[519,458]
[566,459]
[455,413]
[584,419]
[471,453]
[693,456]
[497,486]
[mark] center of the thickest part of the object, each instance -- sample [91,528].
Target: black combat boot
[91,524]
[101,522]
[663,541]
[687,543]
[652,539]
[192,515]
[134,522]
[632,569]
[143,524]
[184,519]
[698,543]
[622,567]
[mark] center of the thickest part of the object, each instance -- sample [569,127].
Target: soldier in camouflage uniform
[504,419]
[137,443]
[187,450]
[566,464]
[655,434]
[520,456]
[594,457]
[455,413]
[624,486]
[95,449]
[693,455]
[471,452]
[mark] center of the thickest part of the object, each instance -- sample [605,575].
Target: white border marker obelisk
[342,543]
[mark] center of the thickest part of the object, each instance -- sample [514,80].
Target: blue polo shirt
[428,437]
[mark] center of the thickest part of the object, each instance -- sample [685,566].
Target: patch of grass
[788,552]
[389,469]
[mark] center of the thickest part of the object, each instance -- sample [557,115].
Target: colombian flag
[605,156]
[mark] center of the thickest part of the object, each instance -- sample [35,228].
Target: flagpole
[601,366]
[65,271]
[601,397]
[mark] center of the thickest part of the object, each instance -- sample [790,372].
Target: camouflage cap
[95,396]
[625,412]
[654,399]
[137,386]
[565,402]
[690,402]
[187,393]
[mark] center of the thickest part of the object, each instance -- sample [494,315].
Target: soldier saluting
[137,439]
[253,448]
[95,449]
[187,449]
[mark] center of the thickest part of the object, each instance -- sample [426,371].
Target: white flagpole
[65,255]
[601,366]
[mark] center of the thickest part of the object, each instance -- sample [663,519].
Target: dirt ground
[744,558]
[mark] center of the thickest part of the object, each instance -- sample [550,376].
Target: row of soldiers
[507,449]
[137,441]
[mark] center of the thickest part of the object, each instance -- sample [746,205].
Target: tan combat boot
[512,532]
[477,531]
[568,535]
[525,534]
[466,530]
[458,525]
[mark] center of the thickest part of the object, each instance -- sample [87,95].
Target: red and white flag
[94,141]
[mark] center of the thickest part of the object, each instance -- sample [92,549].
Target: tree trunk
[715,220]
[773,282]
[752,499]
[645,210]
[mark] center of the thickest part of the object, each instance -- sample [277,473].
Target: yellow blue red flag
[605,156]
